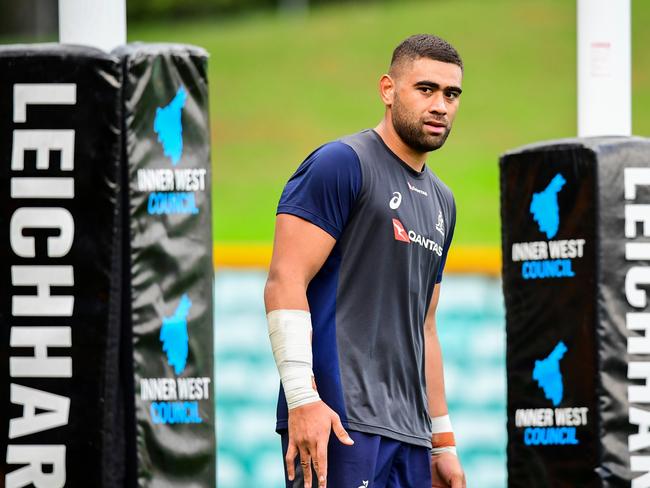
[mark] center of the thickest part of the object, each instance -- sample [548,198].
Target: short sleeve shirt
[393,227]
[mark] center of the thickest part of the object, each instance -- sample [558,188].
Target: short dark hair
[425,46]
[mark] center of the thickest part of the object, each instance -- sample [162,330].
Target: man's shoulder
[332,163]
[331,159]
[335,151]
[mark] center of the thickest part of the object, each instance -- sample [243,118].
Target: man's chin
[432,143]
[438,144]
[421,141]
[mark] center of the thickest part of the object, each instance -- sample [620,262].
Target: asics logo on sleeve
[395,201]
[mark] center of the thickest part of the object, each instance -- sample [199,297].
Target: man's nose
[438,104]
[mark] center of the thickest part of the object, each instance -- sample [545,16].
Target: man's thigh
[372,462]
[411,468]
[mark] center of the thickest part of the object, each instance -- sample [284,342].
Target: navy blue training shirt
[393,227]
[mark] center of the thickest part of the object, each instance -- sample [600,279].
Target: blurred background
[289,75]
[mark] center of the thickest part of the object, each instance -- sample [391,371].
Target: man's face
[424,103]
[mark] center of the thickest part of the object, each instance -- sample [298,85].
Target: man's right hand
[309,431]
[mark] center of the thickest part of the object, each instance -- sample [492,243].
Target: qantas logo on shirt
[401,234]
[417,190]
[400,231]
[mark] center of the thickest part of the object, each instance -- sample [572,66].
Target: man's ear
[387,89]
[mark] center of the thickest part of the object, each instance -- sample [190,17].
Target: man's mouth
[435,127]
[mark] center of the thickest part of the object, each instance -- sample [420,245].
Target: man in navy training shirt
[362,233]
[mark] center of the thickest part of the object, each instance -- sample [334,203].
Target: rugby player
[362,233]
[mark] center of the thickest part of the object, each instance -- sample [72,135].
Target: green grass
[282,85]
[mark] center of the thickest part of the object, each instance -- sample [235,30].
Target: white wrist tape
[290,334]
[442,438]
[441,424]
[439,450]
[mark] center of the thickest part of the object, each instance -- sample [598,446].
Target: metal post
[604,68]
[98,23]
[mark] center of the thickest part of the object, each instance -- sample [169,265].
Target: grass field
[282,85]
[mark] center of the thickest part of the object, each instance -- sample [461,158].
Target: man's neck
[411,157]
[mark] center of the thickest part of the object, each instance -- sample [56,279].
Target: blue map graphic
[548,375]
[545,209]
[169,127]
[173,335]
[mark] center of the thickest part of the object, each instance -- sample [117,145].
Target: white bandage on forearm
[443,439]
[290,334]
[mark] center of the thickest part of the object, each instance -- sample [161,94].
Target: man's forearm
[434,372]
[285,292]
[442,439]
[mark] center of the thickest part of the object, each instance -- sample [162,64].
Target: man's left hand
[446,471]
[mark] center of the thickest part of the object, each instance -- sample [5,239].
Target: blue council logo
[172,191]
[551,426]
[173,335]
[168,125]
[545,209]
[175,400]
[548,375]
[552,258]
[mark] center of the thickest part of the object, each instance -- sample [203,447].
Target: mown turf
[282,85]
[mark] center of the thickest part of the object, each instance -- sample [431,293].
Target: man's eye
[452,95]
[425,89]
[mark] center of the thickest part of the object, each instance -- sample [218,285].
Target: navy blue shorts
[373,461]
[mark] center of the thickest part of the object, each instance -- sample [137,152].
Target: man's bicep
[313,210]
[300,247]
